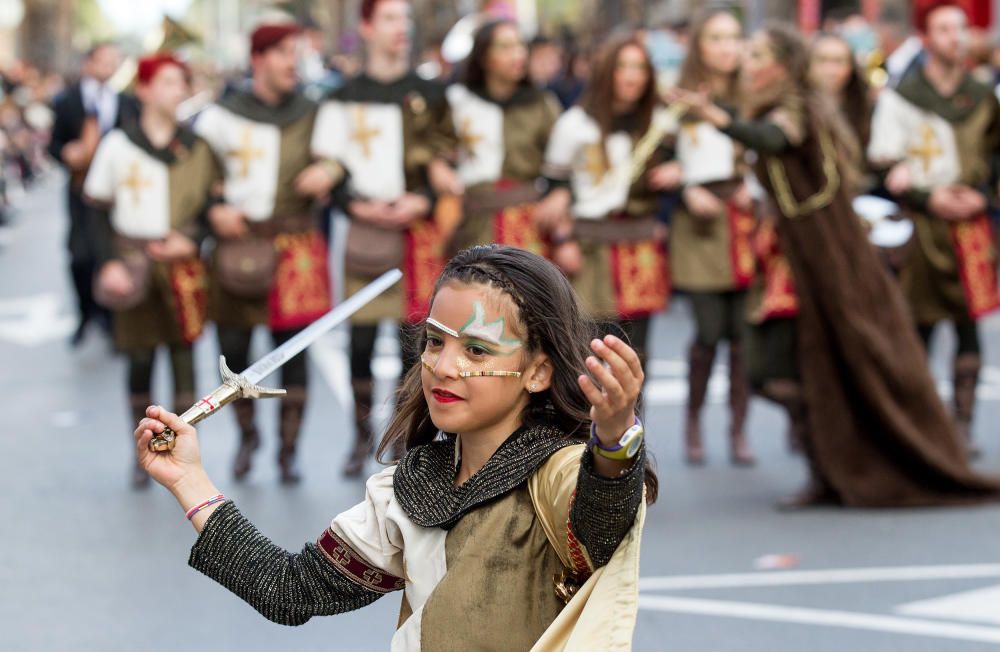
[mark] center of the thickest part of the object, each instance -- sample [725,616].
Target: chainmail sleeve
[604,509]
[285,588]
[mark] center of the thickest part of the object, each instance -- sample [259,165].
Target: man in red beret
[934,136]
[391,132]
[270,263]
[147,190]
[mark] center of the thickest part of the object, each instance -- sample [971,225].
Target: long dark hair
[598,97]
[474,68]
[694,71]
[550,315]
[856,96]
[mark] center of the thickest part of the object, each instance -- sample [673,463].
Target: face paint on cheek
[483,369]
[428,361]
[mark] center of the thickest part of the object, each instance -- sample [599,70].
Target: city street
[89,564]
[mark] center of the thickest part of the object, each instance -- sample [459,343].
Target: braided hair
[549,320]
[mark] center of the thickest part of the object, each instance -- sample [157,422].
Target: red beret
[923,10]
[266,37]
[150,64]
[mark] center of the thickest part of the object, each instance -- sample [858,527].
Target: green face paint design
[482,342]
[477,328]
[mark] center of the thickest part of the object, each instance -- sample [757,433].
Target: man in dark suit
[84,112]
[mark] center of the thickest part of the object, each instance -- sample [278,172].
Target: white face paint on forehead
[441,327]
[492,332]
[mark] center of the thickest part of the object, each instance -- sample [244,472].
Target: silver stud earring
[532,388]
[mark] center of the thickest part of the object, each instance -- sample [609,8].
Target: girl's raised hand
[613,403]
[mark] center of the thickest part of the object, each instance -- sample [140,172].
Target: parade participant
[591,162]
[270,262]
[390,131]
[711,256]
[834,71]
[83,113]
[148,188]
[939,131]
[509,531]
[503,125]
[878,434]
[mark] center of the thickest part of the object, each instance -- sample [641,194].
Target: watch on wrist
[627,447]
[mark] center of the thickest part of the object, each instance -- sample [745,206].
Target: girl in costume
[525,472]
[503,125]
[148,189]
[605,192]
[711,256]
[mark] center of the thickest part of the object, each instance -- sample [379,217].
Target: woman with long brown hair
[606,168]
[834,71]
[503,125]
[710,251]
[878,434]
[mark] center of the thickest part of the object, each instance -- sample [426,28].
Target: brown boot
[293,408]
[700,360]
[817,491]
[363,437]
[138,404]
[739,401]
[965,379]
[249,438]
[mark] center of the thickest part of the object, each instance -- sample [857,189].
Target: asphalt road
[88,564]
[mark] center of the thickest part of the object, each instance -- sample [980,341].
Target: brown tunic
[192,171]
[295,120]
[528,118]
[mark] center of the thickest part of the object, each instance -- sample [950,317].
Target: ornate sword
[235,386]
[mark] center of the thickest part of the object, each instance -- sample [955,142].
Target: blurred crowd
[551,89]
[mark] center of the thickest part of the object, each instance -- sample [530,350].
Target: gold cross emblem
[372,576]
[467,138]
[340,555]
[362,133]
[246,153]
[928,150]
[135,182]
[596,162]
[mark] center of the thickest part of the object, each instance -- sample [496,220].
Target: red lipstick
[444,396]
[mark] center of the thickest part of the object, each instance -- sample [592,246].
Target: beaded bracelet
[208,503]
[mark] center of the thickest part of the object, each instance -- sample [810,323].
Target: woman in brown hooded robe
[877,433]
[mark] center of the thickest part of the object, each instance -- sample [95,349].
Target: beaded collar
[424,480]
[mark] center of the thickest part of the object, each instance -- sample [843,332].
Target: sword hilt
[234,386]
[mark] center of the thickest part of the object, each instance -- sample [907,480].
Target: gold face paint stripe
[490,374]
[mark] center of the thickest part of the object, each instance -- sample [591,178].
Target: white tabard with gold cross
[705,153]
[599,173]
[925,140]
[367,139]
[251,152]
[480,128]
[134,184]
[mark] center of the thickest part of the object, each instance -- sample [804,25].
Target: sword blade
[279,356]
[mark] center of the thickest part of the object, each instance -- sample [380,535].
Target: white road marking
[831,576]
[981,605]
[30,321]
[333,365]
[821,617]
